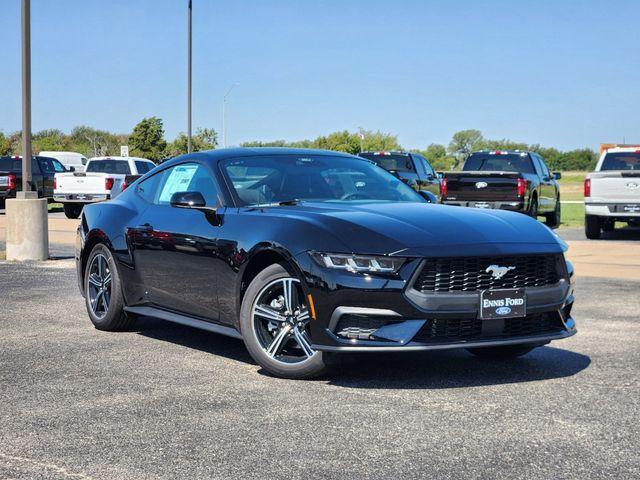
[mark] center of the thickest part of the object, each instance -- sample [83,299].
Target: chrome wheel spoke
[100,266]
[96,300]
[268,312]
[287,285]
[107,279]
[278,341]
[302,340]
[303,315]
[95,280]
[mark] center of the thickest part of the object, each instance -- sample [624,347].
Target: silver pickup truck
[612,192]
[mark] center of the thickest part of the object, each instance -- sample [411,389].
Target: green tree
[147,139]
[378,141]
[5,145]
[52,140]
[204,139]
[464,142]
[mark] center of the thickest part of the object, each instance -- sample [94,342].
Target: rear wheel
[502,353]
[72,210]
[2,204]
[103,292]
[274,320]
[608,226]
[592,227]
[533,208]
[553,219]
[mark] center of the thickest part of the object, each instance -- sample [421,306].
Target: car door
[547,187]
[48,171]
[432,181]
[175,249]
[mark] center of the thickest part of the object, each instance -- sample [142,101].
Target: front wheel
[504,352]
[274,321]
[553,219]
[72,210]
[533,208]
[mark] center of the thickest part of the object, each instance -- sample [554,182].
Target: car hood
[418,229]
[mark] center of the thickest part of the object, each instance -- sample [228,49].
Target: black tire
[553,219]
[2,204]
[255,340]
[109,316]
[504,352]
[592,227]
[533,207]
[72,210]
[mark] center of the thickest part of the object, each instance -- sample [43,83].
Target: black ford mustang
[303,253]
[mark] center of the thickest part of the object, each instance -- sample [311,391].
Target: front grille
[361,326]
[451,330]
[467,274]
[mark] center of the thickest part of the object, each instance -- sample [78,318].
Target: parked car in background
[43,170]
[72,161]
[612,192]
[412,168]
[103,179]
[508,180]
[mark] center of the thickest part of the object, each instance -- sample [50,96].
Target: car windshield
[109,166]
[621,161]
[390,161]
[504,162]
[280,178]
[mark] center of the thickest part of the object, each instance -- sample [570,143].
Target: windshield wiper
[283,203]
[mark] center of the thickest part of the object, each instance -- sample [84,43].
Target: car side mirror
[187,200]
[72,169]
[557,175]
[439,174]
[428,196]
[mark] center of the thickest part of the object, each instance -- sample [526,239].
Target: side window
[186,177]
[46,166]
[545,169]
[148,189]
[536,164]
[143,167]
[428,168]
[58,167]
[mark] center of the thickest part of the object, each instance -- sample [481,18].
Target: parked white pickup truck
[103,179]
[612,192]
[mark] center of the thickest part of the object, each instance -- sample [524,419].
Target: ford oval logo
[503,311]
[632,185]
[481,184]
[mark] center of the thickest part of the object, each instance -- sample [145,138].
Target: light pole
[189,79]
[224,115]
[27,222]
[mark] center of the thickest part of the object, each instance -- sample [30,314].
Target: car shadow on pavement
[626,233]
[414,370]
[192,338]
[454,369]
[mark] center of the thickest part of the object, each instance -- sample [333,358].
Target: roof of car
[503,152]
[224,153]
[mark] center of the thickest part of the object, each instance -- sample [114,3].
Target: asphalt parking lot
[167,401]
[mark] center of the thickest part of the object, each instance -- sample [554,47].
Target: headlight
[358,263]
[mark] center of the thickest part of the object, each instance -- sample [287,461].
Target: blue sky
[559,73]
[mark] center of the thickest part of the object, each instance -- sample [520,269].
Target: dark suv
[43,171]
[412,168]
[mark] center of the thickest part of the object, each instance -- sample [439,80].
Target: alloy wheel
[280,319]
[99,286]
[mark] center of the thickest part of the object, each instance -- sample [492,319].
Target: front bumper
[80,197]
[517,206]
[396,317]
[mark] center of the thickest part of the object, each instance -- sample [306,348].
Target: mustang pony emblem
[498,272]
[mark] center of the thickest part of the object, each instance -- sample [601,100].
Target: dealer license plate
[508,303]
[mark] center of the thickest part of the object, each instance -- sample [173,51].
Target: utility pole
[224,115]
[26,96]
[27,221]
[189,80]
